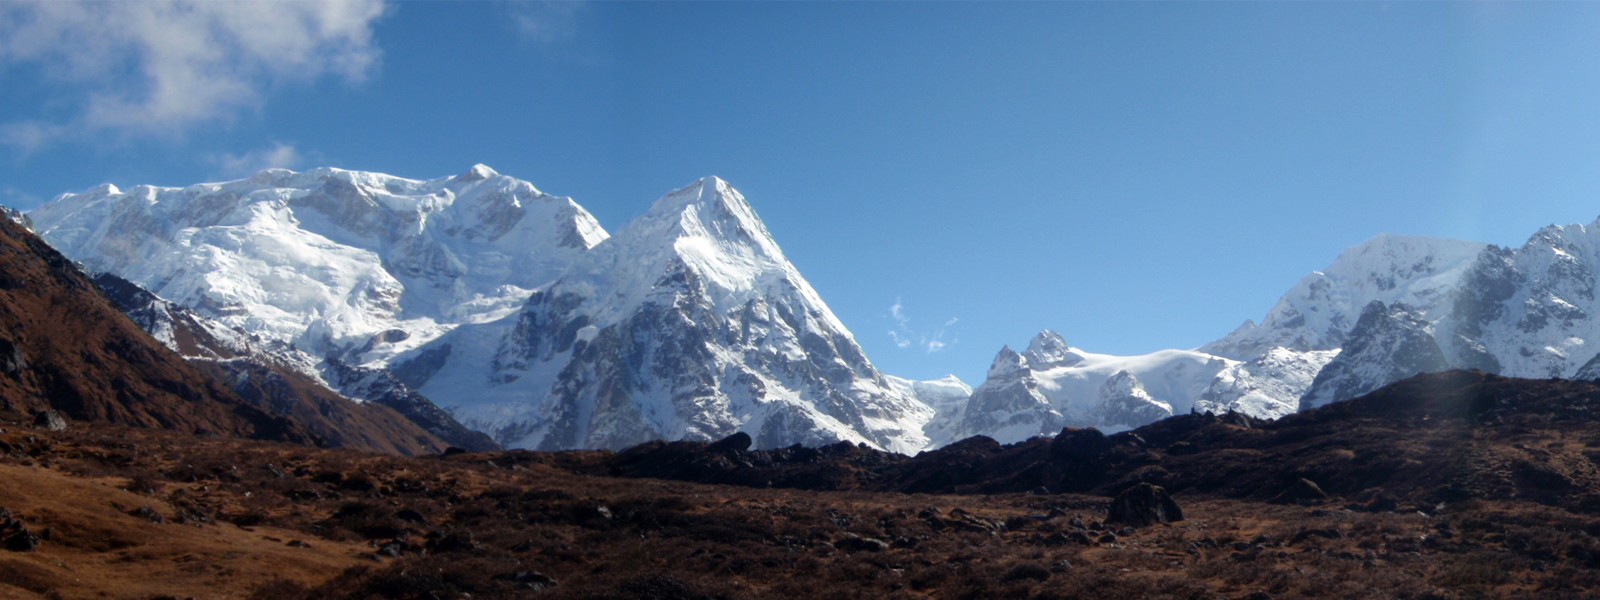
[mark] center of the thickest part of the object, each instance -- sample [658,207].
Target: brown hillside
[65,346]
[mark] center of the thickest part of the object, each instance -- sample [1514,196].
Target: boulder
[49,420]
[1142,505]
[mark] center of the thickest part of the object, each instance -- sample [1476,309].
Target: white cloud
[278,155]
[899,342]
[905,336]
[162,67]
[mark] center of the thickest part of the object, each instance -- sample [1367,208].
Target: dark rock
[532,580]
[1078,444]
[392,549]
[1107,538]
[1238,419]
[1304,491]
[11,360]
[970,522]
[14,536]
[411,516]
[1142,505]
[1379,502]
[855,543]
[148,514]
[49,420]
[453,542]
[453,450]
[733,444]
[1026,571]
[1305,534]
[20,540]
[298,544]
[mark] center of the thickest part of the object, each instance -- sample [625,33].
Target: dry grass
[390,527]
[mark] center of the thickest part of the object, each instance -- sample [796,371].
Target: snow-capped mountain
[688,323]
[515,310]
[336,263]
[1268,386]
[1053,385]
[1008,407]
[1434,305]
[1262,370]
[1388,343]
[1321,309]
[1529,311]
[509,307]
[275,374]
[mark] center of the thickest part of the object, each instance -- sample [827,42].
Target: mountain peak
[1048,350]
[1006,362]
[711,227]
[478,172]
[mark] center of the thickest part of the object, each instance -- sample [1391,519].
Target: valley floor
[120,513]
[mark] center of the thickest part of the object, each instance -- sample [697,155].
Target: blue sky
[951,177]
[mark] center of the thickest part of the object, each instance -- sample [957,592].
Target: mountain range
[477,303]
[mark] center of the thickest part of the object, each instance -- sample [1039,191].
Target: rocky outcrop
[1389,343]
[1125,403]
[1143,505]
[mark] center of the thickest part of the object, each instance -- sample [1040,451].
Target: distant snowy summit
[1384,310]
[511,308]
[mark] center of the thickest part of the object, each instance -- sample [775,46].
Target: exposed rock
[738,442]
[1388,343]
[148,514]
[12,362]
[1303,491]
[49,420]
[1079,444]
[532,580]
[14,536]
[1125,403]
[1142,505]
[855,543]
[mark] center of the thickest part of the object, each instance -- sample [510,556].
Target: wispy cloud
[277,155]
[546,22]
[163,67]
[905,336]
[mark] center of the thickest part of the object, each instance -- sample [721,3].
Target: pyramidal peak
[713,210]
[1049,350]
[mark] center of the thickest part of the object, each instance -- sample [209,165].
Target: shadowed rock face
[1388,344]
